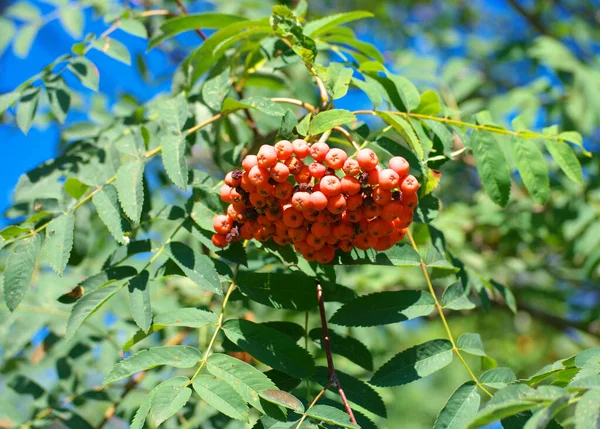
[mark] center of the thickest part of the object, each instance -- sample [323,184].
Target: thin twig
[312,404]
[348,137]
[327,348]
[455,348]
[185,12]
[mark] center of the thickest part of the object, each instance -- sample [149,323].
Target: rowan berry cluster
[333,202]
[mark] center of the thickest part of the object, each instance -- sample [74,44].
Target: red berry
[222,224]
[301,149]
[336,204]
[224,193]
[388,179]
[283,190]
[249,162]
[317,170]
[351,167]
[219,240]
[292,218]
[353,202]
[381,195]
[319,151]
[301,201]
[336,158]
[284,149]
[267,156]
[303,176]
[280,172]
[350,185]
[258,175]
[330,185]
[409,185]
[367,159]
[399,165]
[319,200]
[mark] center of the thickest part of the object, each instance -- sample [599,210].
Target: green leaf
[532,167]
[247,380]
[357,391]
[336,78]
[331,415]
[59,97]
[288,27]
[199,268]
[114,49]
[182,317]
[507,402]
[270,347]
[139,300]
[172,27]
[86,72]
[7,32]
[173,157]
[414,363]
[492,167]
[169,397]
[542,418]
[429,104]
[289,290]
[304,124]
[222,397]
[589,382]
[173,113]
[460,408]
[72,20]
[587,411]
[216,89]
[589,357]
[139,419]
[407,91]
[20,265]
[575,138]
[349,347]
[130,188]
[472,344]
[75,188]
[454,298]
[59,241]
[7,100]
[383,308]
[88,305]
[566,159]
[321,26]
[498,378]
[216,45]
[27,109]
[403,127]
[371,88]
[133,27]
[328,119]
[24,39]
[262,104]
[175,356]
[283,399]
[107,205]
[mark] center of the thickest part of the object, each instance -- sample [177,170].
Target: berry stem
[455,349]
[312,404]
[184,11]
[333,379]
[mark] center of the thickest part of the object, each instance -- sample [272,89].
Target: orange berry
[320,230]
[301,149]
[294,165]
[353,216]
[257,200]
[301,201]
[265,190]
[249,162]
[319,151]
[409,185]
[354,201]
[391,211]
[388,179]
[219,240]
[246,184]
[281,230]
[399,165]
[410,201]
[380,228]
[373,178]
[325,255]
[292,218]
[330,186]
[303,176]
[302,247]
[314,241]
[224,193]
[336,158]
[280,172]
[336,204]
[317,170]
[283,190]
[343,231]
[372,210]
[233,179]
[365,241]
[331,240]
[384,243]
[298,234]
[367,159]
[222,224]
[267,156]
[318,200]
[346,245]
[381,196]
[310,215]
[351,167]
[246,231]
[273,213]
[284,149]
[258,175]
[235,196]
[350,185]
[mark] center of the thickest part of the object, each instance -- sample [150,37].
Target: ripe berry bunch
[317,199]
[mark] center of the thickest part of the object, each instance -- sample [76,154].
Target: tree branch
[333,379]
[533,20]
[184,10]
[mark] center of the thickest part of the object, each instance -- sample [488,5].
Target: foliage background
[499,55]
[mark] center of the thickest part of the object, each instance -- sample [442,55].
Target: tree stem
[333,379]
